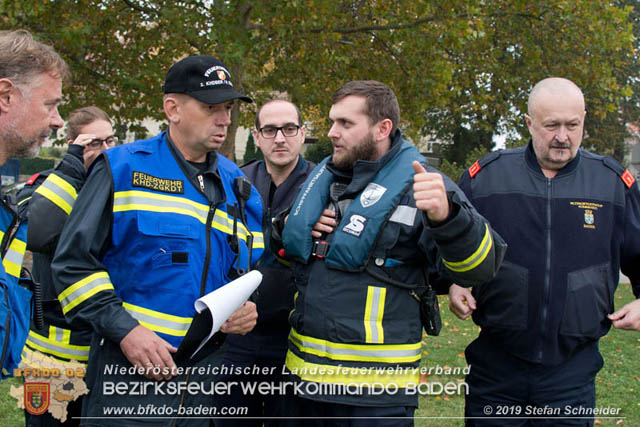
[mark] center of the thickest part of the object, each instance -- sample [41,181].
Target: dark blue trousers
[508,391]
[326,414]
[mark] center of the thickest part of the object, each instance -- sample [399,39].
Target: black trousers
[325,414]
[120,399]
[260,360]
[507,391]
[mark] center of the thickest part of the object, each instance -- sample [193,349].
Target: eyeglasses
[270,132]
[97,143]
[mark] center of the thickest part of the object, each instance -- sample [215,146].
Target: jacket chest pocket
[170,244]
[587,303]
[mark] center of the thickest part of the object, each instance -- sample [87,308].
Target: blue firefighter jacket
[169,244]
[15,301]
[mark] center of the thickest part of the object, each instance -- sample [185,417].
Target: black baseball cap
[203,78]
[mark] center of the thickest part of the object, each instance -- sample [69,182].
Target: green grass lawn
[617,385]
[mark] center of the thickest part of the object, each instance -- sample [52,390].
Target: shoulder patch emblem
[164,185]
[628,178]
[474,169]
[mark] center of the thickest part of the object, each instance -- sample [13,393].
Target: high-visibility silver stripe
[167,204]
[59,334]
[258,239]
[84,289]
[13,256]
[59,191]
[404,215]
[201,214]
[60,349]
[354,352]
[162,323]
[163,203]
[375,308]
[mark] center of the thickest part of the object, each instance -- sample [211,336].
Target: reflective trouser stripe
[56,348]
[59,192]
[159,322]
[332,374]
[145,201]
[384,353]
[476,258]
[12,260]
[373,313]
[84,289]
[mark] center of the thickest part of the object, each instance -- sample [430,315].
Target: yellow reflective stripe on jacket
[59,334]
[135,200]
[476,258]
[59,192]
[333,374]
[159,322]
[12,260]
[373,313]
[384,353]
[84,289]
[52,346]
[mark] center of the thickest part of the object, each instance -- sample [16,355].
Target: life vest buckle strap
[320,248]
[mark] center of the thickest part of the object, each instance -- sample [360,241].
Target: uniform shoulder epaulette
[623,173]
[479,164]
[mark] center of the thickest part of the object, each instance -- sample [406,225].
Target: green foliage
[37,164]
[317,152]
[457,63]
[56,152]
[251,151]
[454,170]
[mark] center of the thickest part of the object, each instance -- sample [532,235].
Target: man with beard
[31,76]
[360,264]
[572,221]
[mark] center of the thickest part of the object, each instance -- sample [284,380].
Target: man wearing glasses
[279,134]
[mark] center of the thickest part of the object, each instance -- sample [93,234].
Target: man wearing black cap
[151,231]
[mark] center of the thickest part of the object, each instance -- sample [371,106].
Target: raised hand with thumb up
[430,193]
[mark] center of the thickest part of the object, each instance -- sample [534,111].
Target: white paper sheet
[224,301]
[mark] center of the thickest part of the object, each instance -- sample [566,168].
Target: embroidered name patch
[143,180]
[589,209]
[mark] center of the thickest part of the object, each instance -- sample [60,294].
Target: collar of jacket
[300,167]
[364,171]
[532,162]
[190,170]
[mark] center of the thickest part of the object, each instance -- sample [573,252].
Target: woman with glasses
[47,199]
[90,127]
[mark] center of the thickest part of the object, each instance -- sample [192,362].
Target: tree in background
[460,63]
[251,151]
[317,152]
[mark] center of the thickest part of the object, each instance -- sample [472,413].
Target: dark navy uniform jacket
[568,238]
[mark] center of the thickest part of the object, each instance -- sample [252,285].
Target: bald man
[567,216]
